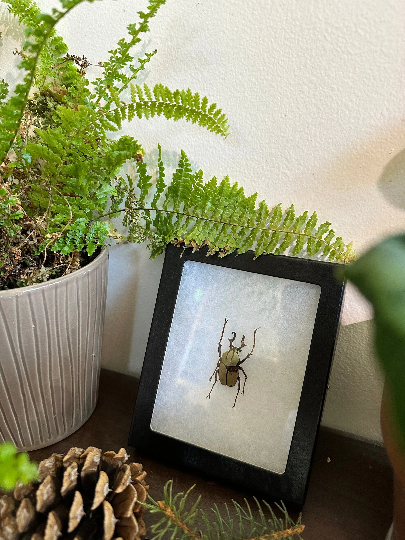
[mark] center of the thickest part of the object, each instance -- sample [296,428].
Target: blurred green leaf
[15,467]
[380,275]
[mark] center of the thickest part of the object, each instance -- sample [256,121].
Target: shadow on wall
[14,35]
[355,385]
[120,310]
[392,181]
[9,28]
[133,281]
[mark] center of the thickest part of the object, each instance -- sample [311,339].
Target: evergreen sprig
[178,520]
[219,215]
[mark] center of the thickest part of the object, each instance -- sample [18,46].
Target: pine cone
[81,495]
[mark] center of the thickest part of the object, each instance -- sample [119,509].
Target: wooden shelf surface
[350,487]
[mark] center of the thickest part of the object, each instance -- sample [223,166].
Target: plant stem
[283,231]
[297,529]
[227,222]
[170,514]
[213,221]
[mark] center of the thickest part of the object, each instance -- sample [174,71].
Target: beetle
[229,363]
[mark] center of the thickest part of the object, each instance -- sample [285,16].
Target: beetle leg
[237,393]
[216,369]
[216,378]
[251,352]
[222,335]
[244,382]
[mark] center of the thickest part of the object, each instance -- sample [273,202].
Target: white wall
[314,92]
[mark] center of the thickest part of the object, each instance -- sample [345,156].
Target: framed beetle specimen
[228,365]
[236,367]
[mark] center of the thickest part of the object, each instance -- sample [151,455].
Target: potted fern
[60,187]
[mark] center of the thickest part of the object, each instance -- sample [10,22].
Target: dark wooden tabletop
[350,488]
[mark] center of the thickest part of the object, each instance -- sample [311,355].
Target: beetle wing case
[227,377]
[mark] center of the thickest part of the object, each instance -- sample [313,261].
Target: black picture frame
[291,484]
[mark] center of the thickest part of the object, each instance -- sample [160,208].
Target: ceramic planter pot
[397,458]
[50,349]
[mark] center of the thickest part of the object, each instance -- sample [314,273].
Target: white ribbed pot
[50,350]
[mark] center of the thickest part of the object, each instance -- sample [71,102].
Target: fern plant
[59,159]
[60,164]
[179,520]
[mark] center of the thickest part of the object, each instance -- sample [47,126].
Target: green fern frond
[3,91]
[42,61]
[144,180]
[179,191]
[38,35]
[235,523]
[220,216]
[53,49]
[160,182]
[114,68]
[178,105]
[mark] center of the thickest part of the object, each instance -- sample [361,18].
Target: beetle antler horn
[242,344]
[231,340]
